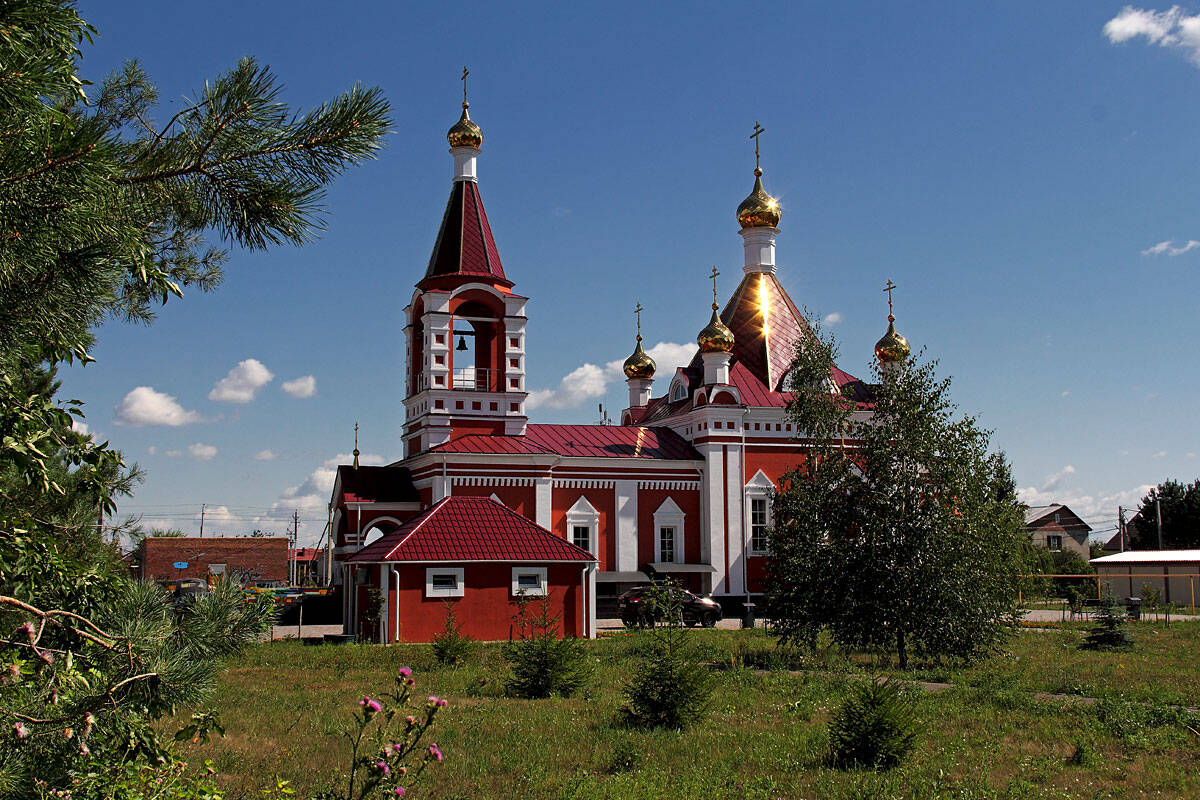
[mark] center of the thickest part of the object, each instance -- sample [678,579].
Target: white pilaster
[759,245]
[627,545]
[739,541]
[543,494]
[716,368]
[384,612]
[464,163]
[712,540]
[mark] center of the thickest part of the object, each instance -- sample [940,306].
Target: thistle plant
[388,752]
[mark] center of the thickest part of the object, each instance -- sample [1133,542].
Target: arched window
[678,389]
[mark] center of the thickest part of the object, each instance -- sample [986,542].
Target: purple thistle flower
[398,791]
[383,767]
[19,727]
[406,672]
[372,706]
[435,753]
[29,630]
[433,701]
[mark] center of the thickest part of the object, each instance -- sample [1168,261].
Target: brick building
[255,562]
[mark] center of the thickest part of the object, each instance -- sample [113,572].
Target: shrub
[542,663]
[771,656]
[668,688]
[873,728]
[451,647]
[628,755]
[1109,633]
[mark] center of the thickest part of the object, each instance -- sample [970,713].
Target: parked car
[184,590]
[638,609]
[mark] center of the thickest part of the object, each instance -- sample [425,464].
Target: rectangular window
[666,544]
[1054,542]
[444,582]
[529,581]
[581,536]
[759,524]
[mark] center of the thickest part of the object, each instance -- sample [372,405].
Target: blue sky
[1015,167]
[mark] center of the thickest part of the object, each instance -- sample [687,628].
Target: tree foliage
[1180,506]
[901,529]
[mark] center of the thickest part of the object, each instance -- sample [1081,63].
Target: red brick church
[681,488]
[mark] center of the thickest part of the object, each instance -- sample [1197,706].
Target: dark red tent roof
[465,245]
[471,529]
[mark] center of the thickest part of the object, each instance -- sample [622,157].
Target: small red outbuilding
[477,554]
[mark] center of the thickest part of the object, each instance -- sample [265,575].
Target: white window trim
[584,515]
[457,572]
[758,487]
[517,589]
[669,515]
[679,390]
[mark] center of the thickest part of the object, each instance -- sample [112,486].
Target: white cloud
[173,453]
[1168,248]
[832,319]
[1191,455]
[1170,28]
[242,383]
[588,381]
[1160,454]
[1056,479]
[202,452]
[79,426]
[1097,510]
[311,498]
[145,406]
[265,455]
[152,449]
[301,387]
[1065,393]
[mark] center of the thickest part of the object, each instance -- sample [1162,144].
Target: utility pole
[1158,514]
[203,508]
[295,540]
[1121,526]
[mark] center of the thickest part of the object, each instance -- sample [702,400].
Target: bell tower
[465,328]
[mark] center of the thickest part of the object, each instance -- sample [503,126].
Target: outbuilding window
[444,582]
[1054,542]
[530,581]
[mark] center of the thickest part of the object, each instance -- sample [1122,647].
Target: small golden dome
[759,210]
[893,347]
[465,133]
[716,336]
[639,365]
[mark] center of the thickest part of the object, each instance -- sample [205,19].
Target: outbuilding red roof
[471,529]
[581,441]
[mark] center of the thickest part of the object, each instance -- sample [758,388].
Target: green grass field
[284,705]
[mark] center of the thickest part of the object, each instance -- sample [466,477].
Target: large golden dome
[893,347]
[639,365]
[465,133]
[759,210]
[716,336]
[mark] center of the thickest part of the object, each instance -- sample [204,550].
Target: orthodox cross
[758,131]
[715,273]
[890,286]
[638,313]
[356,444]
[466,72]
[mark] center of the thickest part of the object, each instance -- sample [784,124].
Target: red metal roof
[471,529]
[580,441]
[465,245]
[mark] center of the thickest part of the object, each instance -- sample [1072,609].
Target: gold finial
[640,364]
[890,286]
[758,131]
[465,133]
[356,444]
[892,348]
[716,336]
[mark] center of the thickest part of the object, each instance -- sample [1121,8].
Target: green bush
[874,727]
[770,656]
[543,664]
[451,647]
[668,688]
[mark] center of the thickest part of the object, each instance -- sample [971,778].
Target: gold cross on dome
[713,275]
[638,313]
[466,72]
[890,286]
[758,131]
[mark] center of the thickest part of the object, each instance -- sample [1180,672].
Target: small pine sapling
[875,728]
[542,662]
[1109,632]
[452,647]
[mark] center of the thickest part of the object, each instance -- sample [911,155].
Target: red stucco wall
[603,501]
[486,609]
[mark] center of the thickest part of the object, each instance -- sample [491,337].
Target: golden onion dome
[640,364]
[716,336]
[893,347]
[465,133]
[759,210]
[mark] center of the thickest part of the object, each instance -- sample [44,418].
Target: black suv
[637,611]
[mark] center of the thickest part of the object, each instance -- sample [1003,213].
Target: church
[485,505]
